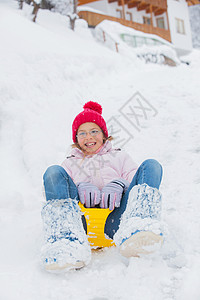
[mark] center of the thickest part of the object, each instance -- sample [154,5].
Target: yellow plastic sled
[96,219]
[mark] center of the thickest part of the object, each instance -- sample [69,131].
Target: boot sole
[57,268]
[144,242]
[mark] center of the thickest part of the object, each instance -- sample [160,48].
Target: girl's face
[90,137]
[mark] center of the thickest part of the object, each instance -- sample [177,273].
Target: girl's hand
[112,193]
[89,194]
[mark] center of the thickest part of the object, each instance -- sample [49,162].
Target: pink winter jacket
[100,168]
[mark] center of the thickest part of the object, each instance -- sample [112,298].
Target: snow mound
[118,38]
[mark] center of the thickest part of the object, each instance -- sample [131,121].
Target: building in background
[194,12]
[168,19]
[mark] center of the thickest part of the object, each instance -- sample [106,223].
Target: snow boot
[140,228]
[66,246]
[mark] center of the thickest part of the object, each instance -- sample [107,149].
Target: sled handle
[96,219]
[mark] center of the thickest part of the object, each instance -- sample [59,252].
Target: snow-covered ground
[47,72]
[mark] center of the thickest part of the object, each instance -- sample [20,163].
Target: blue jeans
[59,185]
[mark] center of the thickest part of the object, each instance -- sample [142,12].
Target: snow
[110,32]
[86,8]
[47,73]
[116,28]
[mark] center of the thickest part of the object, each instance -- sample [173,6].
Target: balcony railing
[94,19]
[162,4]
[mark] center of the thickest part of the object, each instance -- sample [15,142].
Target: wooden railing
[94,19]
[193,2]
[156,3]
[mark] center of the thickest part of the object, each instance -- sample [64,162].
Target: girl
[99,176]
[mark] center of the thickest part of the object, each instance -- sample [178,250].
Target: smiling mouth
[90,145]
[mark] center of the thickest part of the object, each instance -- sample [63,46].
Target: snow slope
[47,73]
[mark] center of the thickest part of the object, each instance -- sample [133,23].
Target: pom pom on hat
[92,113]
[94,106]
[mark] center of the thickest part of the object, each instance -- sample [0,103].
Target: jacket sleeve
[66,164]
[128,167]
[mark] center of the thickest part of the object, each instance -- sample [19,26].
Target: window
[160,23]
[150,42]
[180,27]
[140,41]
[119,13]
[129,16]
[146,20]
[128,39]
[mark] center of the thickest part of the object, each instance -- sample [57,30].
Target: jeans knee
[53,171]
[154,165]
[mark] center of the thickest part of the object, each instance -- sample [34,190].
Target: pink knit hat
[92,113]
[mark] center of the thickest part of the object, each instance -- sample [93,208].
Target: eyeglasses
[83,134]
